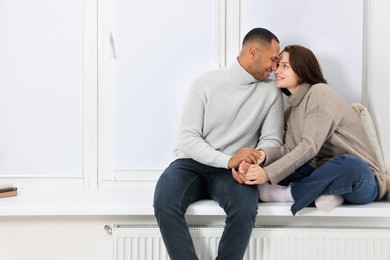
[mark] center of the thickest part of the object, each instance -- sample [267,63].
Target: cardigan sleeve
[275,153]
[318,125]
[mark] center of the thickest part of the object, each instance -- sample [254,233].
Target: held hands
[248,155]
[247,161]
[254,174]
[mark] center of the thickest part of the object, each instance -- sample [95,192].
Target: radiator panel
[268,242]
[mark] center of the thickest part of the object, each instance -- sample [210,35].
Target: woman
[326,154]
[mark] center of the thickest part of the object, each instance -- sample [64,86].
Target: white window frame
[89,127]
[227,47]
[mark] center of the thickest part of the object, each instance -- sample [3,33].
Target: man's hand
[244,166]
[249,155]
[238,177]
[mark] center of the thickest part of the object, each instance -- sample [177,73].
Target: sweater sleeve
[272,126]
[190,138]
[318,126]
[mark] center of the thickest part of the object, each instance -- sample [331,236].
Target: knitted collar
[239,74]
[297,97]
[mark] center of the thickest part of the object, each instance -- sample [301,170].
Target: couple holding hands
[237,145]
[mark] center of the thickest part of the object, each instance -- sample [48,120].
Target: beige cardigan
[320,124]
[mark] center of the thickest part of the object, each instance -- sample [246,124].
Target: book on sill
[8,191]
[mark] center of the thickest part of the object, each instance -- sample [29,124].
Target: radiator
[268,242]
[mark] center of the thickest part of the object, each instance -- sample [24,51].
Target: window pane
[41,86]
[160,47]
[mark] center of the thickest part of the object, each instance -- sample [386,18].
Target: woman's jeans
[343,175]
[186,181]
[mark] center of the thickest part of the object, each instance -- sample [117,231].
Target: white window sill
[138,202]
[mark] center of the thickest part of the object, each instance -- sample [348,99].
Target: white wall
[334,37]
[57,238]
[378,86]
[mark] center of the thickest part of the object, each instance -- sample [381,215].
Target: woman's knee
[351,161]
[353,166]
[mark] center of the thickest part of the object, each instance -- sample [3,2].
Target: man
[229,114]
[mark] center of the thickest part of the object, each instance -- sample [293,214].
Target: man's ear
[253,51]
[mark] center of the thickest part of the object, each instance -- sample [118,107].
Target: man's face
[266,60]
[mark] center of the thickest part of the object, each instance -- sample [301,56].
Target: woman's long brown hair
[305,65]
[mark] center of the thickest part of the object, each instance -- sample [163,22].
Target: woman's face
[285,77]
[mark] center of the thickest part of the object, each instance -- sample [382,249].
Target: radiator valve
[108,229]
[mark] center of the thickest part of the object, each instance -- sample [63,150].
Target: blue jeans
[343,175]
[186,181]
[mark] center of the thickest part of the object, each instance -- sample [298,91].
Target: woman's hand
[255,175]
[244,166]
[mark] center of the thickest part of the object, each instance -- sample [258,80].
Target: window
[92,91]
[150,57]
[41,79]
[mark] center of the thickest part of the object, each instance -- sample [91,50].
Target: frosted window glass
[161,46]
[332,29]
[41,52]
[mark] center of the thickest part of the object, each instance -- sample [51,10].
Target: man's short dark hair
[261,34]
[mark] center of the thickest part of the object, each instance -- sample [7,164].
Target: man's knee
[246,209]
[161,199]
